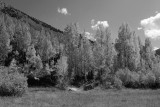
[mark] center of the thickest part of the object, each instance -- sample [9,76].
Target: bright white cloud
[151,26]
[63,11]
[99,24]
[89,36]
[139,28]
[155,48]
[87,33]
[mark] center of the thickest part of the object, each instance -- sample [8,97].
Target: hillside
[19,15]
[16,24]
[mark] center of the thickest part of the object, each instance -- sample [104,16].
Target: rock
[88,87]
[73,89]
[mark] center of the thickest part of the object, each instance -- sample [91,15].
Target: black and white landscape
[79,53]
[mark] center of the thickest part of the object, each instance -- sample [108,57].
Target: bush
[147,80]
[107,82]
[117,83]
[106,85]
[111,81]
[129,79]
[156,72]
[133,80]
[122,75]
[12,83]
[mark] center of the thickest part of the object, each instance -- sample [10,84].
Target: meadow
[51,97]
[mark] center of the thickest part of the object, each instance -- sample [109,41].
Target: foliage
[147,80]
[127,48]
[62,68]
[117,83]
[156,72]
[148,54]
[103,51]
[34,62]
[5,47]
[12,83]
[70,57]
[79,60]
[112,81]
[107,82]
[128,78]
[136,80]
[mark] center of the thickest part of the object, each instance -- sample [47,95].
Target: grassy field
[50,97]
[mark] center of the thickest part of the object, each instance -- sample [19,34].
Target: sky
[143,16]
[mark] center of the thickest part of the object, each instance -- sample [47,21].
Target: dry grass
[50,97]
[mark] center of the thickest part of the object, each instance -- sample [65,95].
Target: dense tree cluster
[71,58]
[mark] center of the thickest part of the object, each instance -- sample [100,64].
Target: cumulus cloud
[89,36]
[63,11]
[151,26]
[155,48]
[99,24]
[139,28]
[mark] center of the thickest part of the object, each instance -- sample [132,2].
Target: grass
[50,97]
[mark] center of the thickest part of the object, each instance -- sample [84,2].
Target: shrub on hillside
[12,83]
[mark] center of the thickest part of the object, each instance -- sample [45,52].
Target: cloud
[155,48]
[99,24]
[89,36]
[139,28]
[151,26]
[87,33]
[156,12]
[92,22]
[63,11]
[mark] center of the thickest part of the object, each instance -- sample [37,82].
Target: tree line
[73,59]
[127,61]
